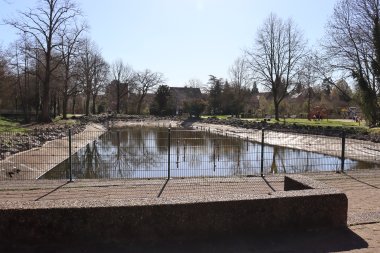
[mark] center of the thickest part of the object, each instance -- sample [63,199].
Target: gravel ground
[361,187]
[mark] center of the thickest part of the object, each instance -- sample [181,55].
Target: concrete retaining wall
[320,207]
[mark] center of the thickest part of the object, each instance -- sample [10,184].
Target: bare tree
[353,44]
[69,50]
[20,65]
[241,82]
[86,67]
[275,57]
[308,75]
[196,83]
[124,77]
[239,74]
[146,81]
[43,25]
[101,69]
[3,66]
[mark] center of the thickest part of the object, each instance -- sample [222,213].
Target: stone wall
[320,207]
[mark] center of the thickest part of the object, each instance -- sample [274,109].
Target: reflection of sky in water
[143,153]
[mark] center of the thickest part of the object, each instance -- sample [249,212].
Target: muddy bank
[352,133]
[38,135]
[358,150]
[328,141]
[145,123]
[110,120]
[35,162]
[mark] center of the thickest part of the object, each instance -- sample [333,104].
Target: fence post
[262,152]
[342,158]
[70,161]
[169,153]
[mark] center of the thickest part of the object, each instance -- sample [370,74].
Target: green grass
[69,121]
[7,125]
[375,131]
[324,122]
[216,116]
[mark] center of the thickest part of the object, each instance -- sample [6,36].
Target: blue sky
[183,39]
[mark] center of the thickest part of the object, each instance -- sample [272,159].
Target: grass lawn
[69,121]
[375,130]
[324,122]
[216,116]
[7,125]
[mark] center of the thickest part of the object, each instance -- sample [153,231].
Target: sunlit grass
[324,122]
[7,125]
[216,116]
[69,121]
[375,130]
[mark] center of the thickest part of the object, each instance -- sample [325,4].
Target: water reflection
[143,153]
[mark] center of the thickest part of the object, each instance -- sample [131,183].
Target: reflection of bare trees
[131,153]
[87,162]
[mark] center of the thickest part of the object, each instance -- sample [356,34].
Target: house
[180,95]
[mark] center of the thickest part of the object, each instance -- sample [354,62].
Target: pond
[144,153]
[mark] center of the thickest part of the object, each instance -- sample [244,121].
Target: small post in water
[177,153]
[343,151]
[184,151]
[70,162]
[262,153]
[168,153]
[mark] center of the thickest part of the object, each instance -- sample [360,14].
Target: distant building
[180,95]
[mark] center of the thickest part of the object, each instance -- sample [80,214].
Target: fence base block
[305,204]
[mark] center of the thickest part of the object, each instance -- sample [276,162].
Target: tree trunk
[309,102]
[94,104]
[58,106]
[118,97]
[73,108]
[54,102]
[127,99]
[64,106]
[87,109]
[139,104]
[37,95]
[45,117]
[276,110]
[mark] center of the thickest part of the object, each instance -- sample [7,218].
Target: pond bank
[359,150]
[35,162]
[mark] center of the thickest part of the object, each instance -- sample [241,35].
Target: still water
[144,153]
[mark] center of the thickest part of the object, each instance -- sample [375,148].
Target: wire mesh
[161,153]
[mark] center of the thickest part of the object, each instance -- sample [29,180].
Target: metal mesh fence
[160,153]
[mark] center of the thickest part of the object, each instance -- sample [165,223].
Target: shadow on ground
[310,241]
